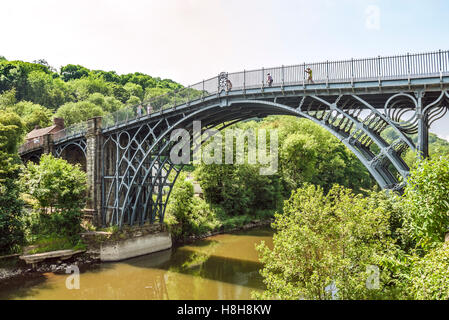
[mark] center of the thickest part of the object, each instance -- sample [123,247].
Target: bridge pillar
[94,140]
[423,128]
[48,144]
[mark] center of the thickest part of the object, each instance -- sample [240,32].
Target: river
[220,267]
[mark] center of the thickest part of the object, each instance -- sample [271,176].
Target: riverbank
[12,268]
[247,226]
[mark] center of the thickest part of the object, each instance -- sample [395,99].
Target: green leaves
[426,202]
[58,185]
[11,226]
[327,238]
[429,276]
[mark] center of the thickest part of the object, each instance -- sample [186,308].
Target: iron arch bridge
[130,174]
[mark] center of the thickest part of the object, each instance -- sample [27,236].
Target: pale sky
[191,40]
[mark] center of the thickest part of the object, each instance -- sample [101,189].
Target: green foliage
[426,202]
[107,104]
[239,189]
[327,239]
[7,99]
[56,184]
[70,92]
[47,91]
[72,72]
[11,207]
[133,100]
[82,88]
[134,90]
[12,130]
[186,214]
[55,243]
[33,114]
[310,154]
[11,210]
[14,75]
[75,112]
[428,279]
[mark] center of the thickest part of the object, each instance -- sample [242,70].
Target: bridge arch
[140,198]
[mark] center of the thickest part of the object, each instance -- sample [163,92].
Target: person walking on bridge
[310,73]
[228,85]
[139,110]
[269,80]
[149,108]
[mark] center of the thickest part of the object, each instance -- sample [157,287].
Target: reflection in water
[220,267]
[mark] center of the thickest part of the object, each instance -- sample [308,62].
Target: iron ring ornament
[401,104]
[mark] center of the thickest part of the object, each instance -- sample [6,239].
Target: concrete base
[135,247]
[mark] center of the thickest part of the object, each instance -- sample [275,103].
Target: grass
[55,243]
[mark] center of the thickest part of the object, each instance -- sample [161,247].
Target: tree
[187,214]
[46,64]
[76,112]
[82,88]
[7,99]
[14,75]
[323,239]
[72,72]
[310,154]
[56,184]
[134,90]
[11,207]
[33,115]
[47,91]
[426,202]
[428,279]
[108,104]
[133,100]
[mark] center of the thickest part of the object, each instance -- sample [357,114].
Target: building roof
[40,132]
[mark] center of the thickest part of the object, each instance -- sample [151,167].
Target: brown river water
[220,267]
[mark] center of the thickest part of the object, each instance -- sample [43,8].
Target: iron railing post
[327,73]
[263,76]
[441,66]
[379,69]
[408,67]
[304,75]
[244,81]
[352,71]
[283,77]
[202,92]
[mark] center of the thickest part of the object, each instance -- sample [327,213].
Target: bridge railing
[70,132]
[35,143]
[346,71]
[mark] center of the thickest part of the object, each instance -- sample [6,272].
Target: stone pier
[94,140]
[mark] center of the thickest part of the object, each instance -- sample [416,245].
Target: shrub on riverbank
[328,239]
[188,215]
[59,190]
[11,207]
[332,238]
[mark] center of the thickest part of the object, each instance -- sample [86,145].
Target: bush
[426,202]
[11,207]
[328,239]
[429,276]
[186,214]
[60,187]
